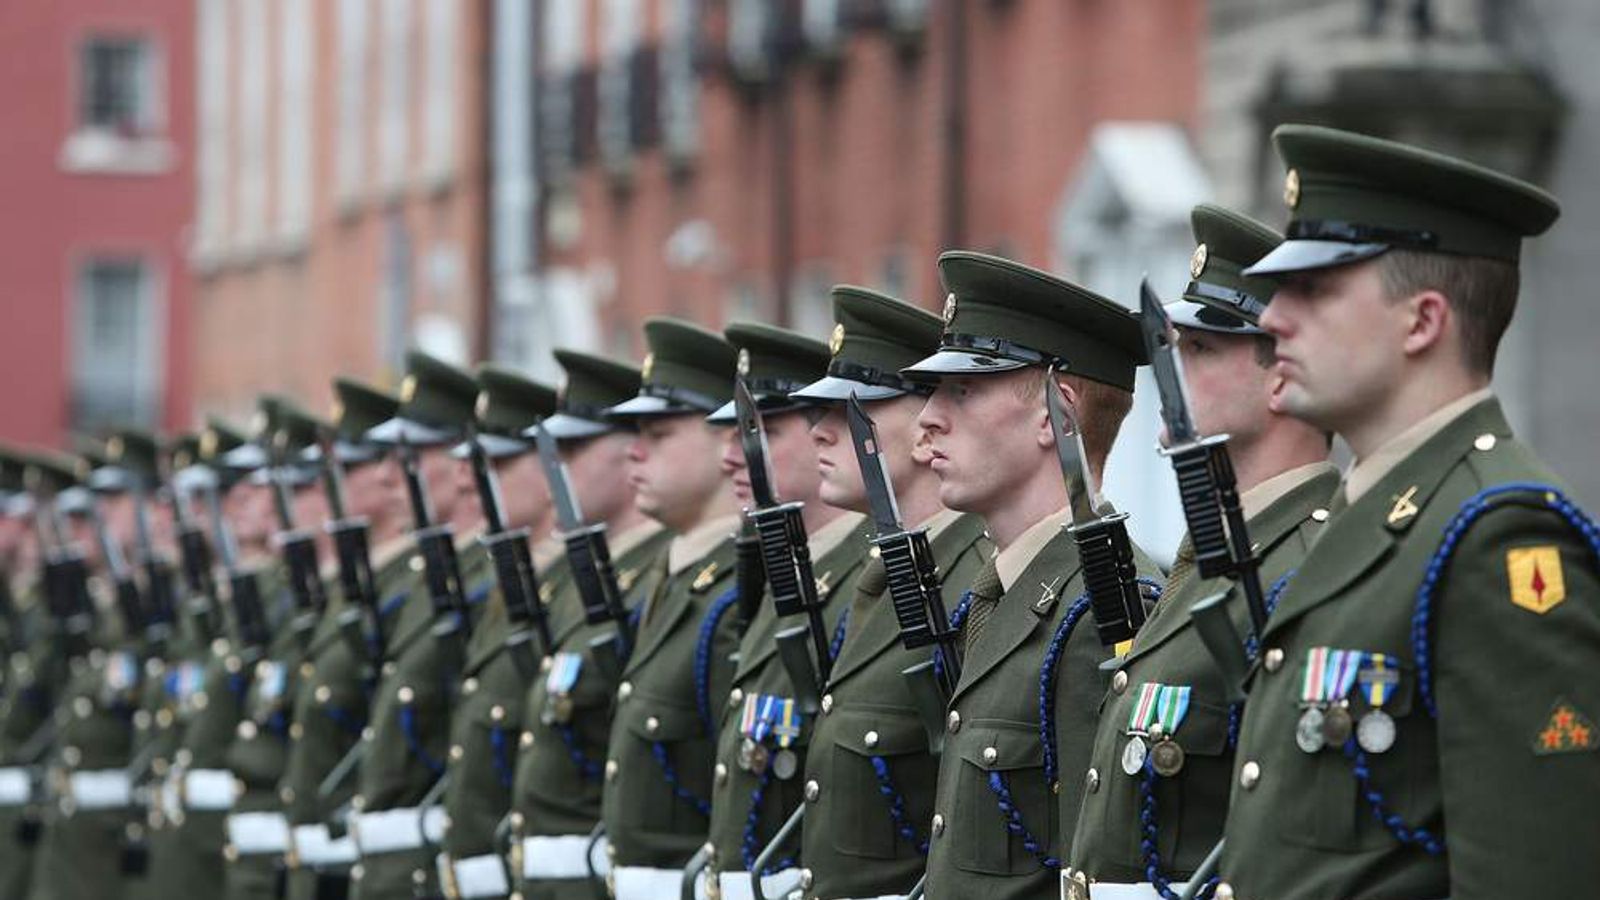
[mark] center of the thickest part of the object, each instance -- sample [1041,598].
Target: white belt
[563,856]
[210,790]
[315,847]
[736,885]
[257,833]
[16,786]
[1104,890]
[640,883]
[100,789]
[392,830]
[476,876]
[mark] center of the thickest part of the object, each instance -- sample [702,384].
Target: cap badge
[647,366]
[1291,189]
[408,389]
[949,309]
[336,411]
[1197,262]
[208,444]
[481,407]
[836,340]
[280,440]
[258,423]
[744,361]
[114,448]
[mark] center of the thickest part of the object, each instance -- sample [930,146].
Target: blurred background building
[493,178]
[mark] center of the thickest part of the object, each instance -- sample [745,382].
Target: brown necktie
[986,591]
[1182,567]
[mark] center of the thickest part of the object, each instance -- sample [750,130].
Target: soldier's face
[594,464]
[672,466]
[983,438]
[1229,388]
[792,456]
[899,434]
[374,490]
[1341,344]
[444,479]
[524,494]
[249,507]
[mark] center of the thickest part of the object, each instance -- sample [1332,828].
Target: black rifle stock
[1110,577]
[787,556]
[589,556]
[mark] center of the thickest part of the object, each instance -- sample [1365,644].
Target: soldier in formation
[768,617]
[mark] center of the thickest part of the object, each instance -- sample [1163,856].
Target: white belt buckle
[640,883]
[100,789]
[480,876]
[388,831]
[315,847]
[211,790]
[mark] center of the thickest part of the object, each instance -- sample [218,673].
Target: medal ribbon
[747,721]
[789,729]
[1312,686]
[564,671]
[1340,677]
[1144,710]
[1379,679]
[1172,706]
[766,717]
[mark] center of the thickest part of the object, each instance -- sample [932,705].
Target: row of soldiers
[681,630]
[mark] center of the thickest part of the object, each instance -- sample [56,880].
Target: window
[560,106]
[295,42]
[749,27]
[250,222]
[620,35]
[115,364]
[393,127]
[350,162]
[680,92]
[211,37]
[118,90]
[439,87]
[820,20]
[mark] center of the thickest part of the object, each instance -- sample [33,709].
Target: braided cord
[408,728]
[500,747]
[702,654]
[750,846]
[1014,824]
[837,642]
[1147,842]
[1418,837]
[1252,647]
[897,805]
[588,769]
[659,751]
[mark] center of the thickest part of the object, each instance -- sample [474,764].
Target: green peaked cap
[1219,297]
[508,404]
[436,402]
[688,369]
[774,362]
[1000,316]
[874,337]
[593,385]
[1352,197]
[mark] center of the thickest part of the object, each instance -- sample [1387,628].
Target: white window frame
[148,366]
[296,119]
[350,158]
[213,53]
[679,106]
[620,26]
[250,220]
[441,67]
[394,126]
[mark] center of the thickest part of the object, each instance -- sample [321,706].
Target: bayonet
[1104,548]
[352,549]
[513,567]
[298,546]
[588,550]
[440,565]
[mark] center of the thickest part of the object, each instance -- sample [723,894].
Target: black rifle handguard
[912,580]
[787,557]
[1110,578]
[441,569]
[589,555]
[1201,469]
[749,576]
[299,550]
[249,614]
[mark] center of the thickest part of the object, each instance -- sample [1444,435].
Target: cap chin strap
[849,371]
[1002,347]
[1353,233]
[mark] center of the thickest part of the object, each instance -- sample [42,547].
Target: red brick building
[96,172]
[734,158]
[340,208]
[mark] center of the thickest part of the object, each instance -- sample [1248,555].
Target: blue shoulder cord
[957,617]
[702,694]
[588,769]
[659,751]
[897,806]
[500,755]
[750,848]
[408,728]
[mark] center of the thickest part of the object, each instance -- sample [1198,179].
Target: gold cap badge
[1291,189]
[208,444]
[258,423]
[408,389]
[949,309]
[647,366]
[481,407]
[836,340]
[744,361]
[1197,262]
[114,448]
[336,411]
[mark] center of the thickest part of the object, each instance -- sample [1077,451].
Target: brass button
[611,770]
[388,669]
[297,731]
[497,712]
[141,719]
[1249,774]
[1273,659]
[953,723]
[247,730]
[470,686]
[526,739]
[1319,515]
[1224,891]
[457,751]
[827,703]
[806,879]
[286,794]
[546,663]
[322,694]
[517,820]
[1484,442]
[1091,780]
[870,739]
[720,774]
[990,755]
[307,669]
[82,707]
[938,824]
[653,725]
[1119,681]
[367,733]
[163,716]
[735,697]
[405,694]
[416,563]
[72,756]
[358,802]
[625,690]
[233,664]
[812,791]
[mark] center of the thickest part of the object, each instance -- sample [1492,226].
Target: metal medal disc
[785,764]
[1166,758]
[1375,732]
[1133,755]
[759,757]
[1308,731]
[1337,726]
[746,749]
[563,708]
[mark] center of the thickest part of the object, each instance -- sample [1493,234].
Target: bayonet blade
[569,515]
[1082,497]
[753,438]
[874,470]
[1157,328]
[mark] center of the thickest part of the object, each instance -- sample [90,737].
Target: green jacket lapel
[1027,606]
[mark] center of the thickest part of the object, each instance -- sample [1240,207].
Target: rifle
[194,553]
[66,580]
[352,548]
[749,573]
[514,571]
[160,579]
[588,552]
[908,563]
[784,548]
[1104,548]
[244,588]
[129,603]
[440,565]
[297,545]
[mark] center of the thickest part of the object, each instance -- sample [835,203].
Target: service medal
[1133,755]
[1166,758]
[1308,731]
[1336,725]
[785,764]
[1375,732]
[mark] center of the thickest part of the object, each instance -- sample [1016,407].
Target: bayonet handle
[1110,577]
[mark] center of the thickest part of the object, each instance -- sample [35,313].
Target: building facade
[341,184]
[96,166]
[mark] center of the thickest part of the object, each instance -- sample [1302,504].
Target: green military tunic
[81,851]
[854,842]
[409,730]
[560,759]
[997,813]
[1190,804]
[1471,801]
[328,707]
[750,801]
[36,673]
[656,800]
